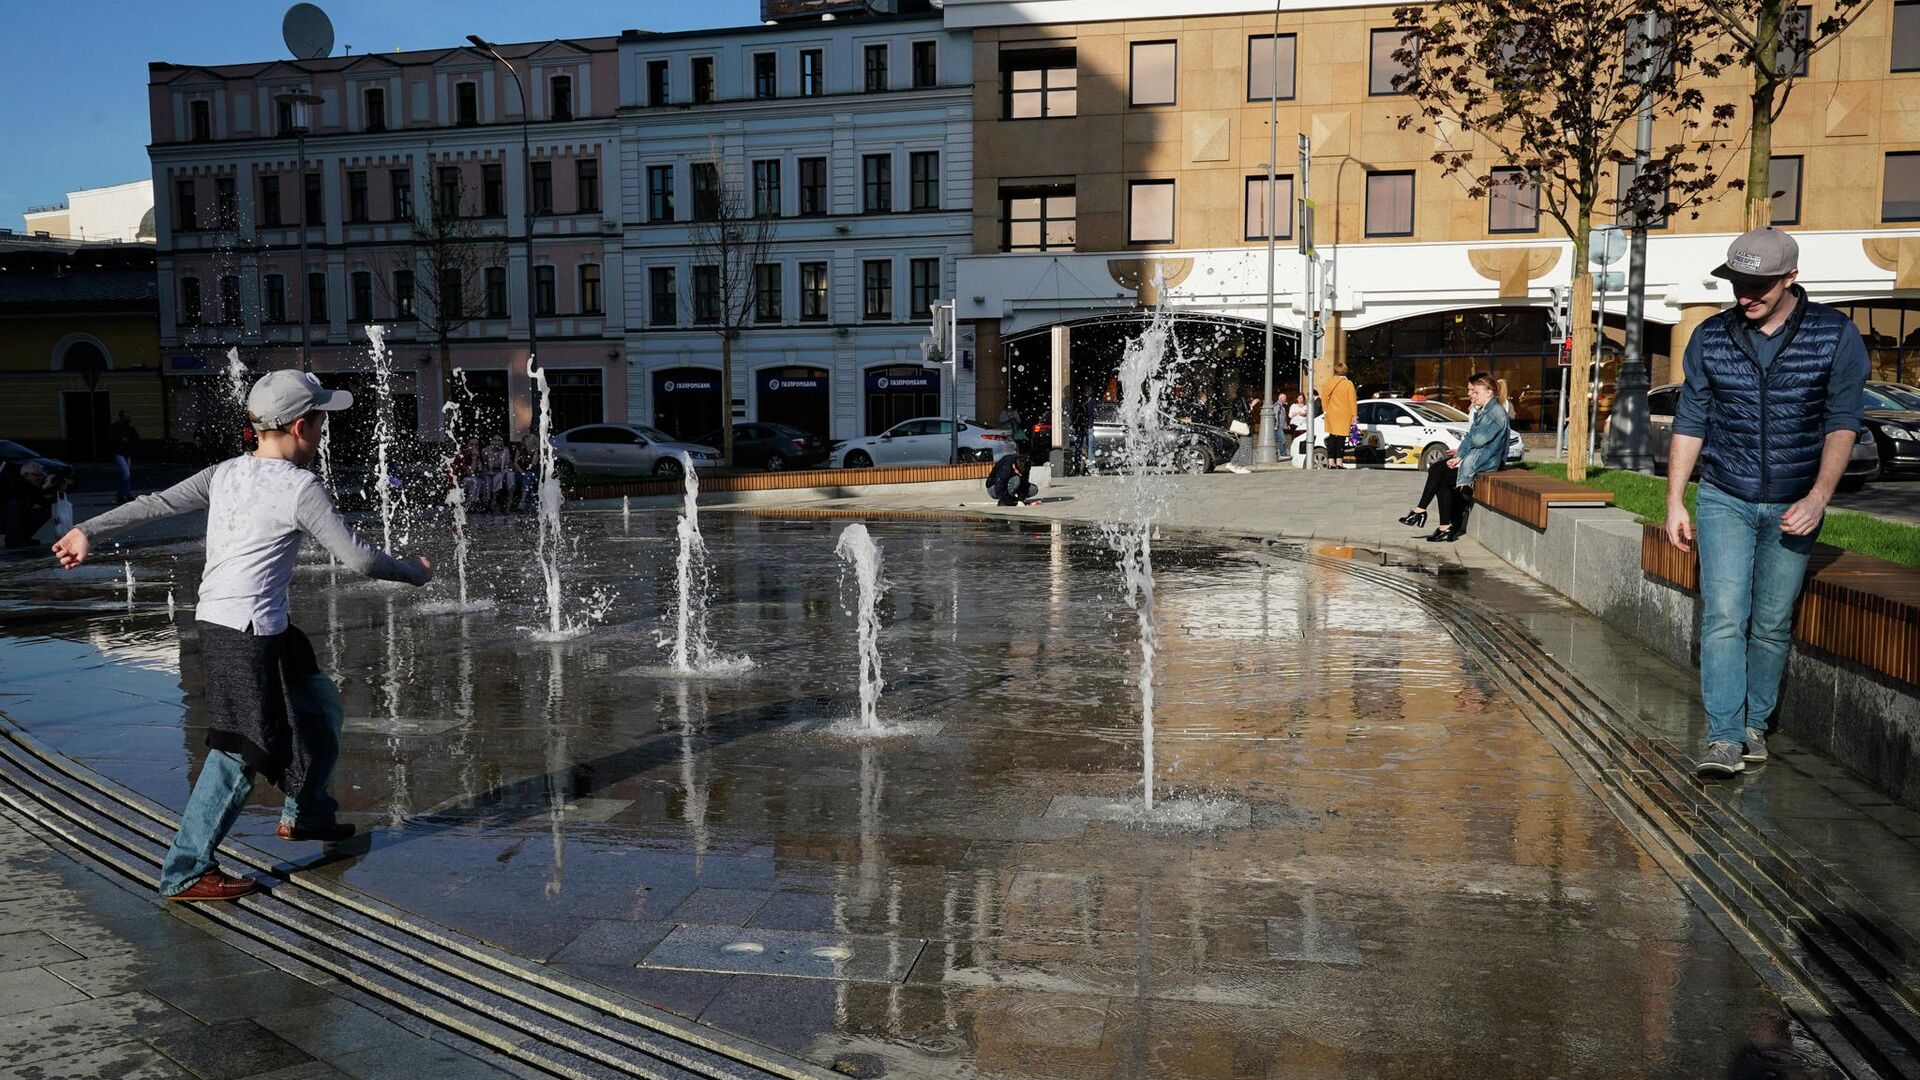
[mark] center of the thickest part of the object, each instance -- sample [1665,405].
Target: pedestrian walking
[125,440]
[1770,409]
[496,474]
[1341,411]
[1482,449]
[272,712]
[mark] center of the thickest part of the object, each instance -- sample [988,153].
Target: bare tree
[1774,42]
[446,261]
[1536,81]
[730,243]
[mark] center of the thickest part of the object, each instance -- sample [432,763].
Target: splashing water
[626,515]
[547,547]
[456,500]
[237,380]
[169,603]
[129,569]
[857,549]
[383,432]
[690,646]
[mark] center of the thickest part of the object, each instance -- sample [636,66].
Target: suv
[1862,467]
[1401,433]
[1197,448]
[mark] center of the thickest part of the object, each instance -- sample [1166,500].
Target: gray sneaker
[1722,759]
[1756,749]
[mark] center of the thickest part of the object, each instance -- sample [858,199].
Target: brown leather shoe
[214,885]
[331,834]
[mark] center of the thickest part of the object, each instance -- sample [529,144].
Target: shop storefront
[795,396]
[686,401]
[901,392]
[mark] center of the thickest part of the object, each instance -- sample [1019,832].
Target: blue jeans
[1750,575]
[226,782]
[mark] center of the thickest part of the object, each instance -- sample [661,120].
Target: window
[766,293]
[493,191]
[230,300]
[659,193]
[1256,215]
[452,297]
[1389,204]
[1513,203]
[402,182]
[1900,200]
[876,67]
[658,83]
[923,276]
[270,200]
[706,294]
[1150,212]
[876,183]
[316,298]
[1906,36]
[403,294]
[766,75]
[813,64]
[923,180]
[316,200]
[543,187]
[200,116]
[1790,56]
[447,196]
[186,213]
[813,291]
[560,97]
[1039,83]
[276,290]
[357,195]
[813,186]
[926,64]
[466,104]
[1270,67]
[361,296]
[590,289]
[706,190]
[545,295]
[1623,212]
[226,205]
[189,301]
[1383,68]
[1783,184]
[373,109]
[766,188]
[663,304]
[1154,73]
[702,80]
[286,118]
[1038,219]
[877,280]
[586,186]
[495,278]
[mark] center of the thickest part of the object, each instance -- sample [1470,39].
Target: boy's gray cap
[1759,255]
[281,397]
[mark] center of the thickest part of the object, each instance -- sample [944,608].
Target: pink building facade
[395,138]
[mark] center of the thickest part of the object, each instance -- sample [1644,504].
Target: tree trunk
[1766,85]
[726,399]
[1579,388]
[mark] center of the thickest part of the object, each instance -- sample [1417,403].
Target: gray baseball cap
[1759,255]
[281,397]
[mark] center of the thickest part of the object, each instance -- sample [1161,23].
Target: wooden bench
[1527,496]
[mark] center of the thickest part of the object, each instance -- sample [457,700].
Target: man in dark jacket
[126,439]
[1007,483]
[1770,410]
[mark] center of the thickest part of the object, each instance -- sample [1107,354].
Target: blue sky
[75,81]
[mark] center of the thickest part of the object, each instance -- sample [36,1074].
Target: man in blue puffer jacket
[1770,411]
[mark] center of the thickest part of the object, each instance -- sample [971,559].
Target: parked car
[927,441]
[772,447]
[1893,416]
[1401,433]
[1197,448]
[13,453]
[1862,468]
[626,450]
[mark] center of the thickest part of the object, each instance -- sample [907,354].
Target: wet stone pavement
[1396,874]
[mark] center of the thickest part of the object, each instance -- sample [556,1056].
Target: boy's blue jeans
[1750,575]
[226,781]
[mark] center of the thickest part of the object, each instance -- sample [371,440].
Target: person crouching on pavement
[1008,483]
[272,711]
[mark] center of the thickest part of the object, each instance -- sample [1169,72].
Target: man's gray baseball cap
[281,397]
[1759,255]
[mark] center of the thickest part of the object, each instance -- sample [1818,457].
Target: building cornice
[982,14]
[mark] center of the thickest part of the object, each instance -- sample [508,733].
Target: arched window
[81,353]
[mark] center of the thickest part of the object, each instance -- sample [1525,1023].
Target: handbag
[1239,427]
[1353,435]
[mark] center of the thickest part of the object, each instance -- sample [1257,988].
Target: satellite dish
[307,31]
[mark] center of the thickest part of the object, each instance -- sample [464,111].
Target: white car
[617,450]
[927,441]
[1401,433]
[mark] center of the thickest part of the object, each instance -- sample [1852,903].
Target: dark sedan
[772,447]
[1893,415]
[13,453]
[1196,448]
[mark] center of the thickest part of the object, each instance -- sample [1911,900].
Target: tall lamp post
[297,103]
[1266,450]
[526,157]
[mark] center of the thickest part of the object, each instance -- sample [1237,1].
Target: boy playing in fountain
[272,711]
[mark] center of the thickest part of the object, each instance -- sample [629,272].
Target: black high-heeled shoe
[1442,536]
[1415,519]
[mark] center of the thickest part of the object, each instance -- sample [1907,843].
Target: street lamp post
[1266,450]
[298,102]
[526,158]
